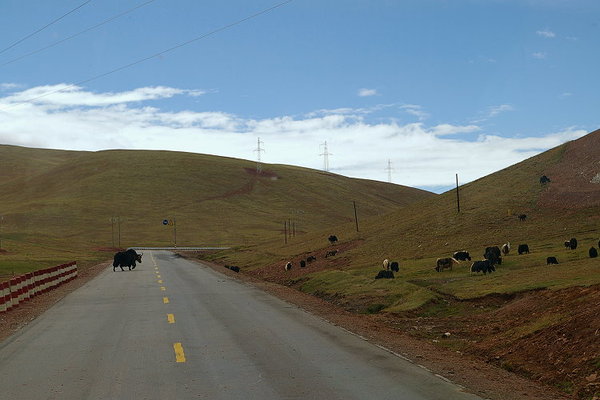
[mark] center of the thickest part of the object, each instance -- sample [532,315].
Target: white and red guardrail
[23,287]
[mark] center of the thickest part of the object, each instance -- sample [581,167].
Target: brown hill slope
[62,201]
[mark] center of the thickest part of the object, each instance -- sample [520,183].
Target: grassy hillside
[534,319]
[418,234]
[58,205]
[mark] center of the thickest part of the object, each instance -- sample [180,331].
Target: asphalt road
[173,329]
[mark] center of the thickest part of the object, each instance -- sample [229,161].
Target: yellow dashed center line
[171,318]
[163,288]
[160,281]
[166,300]
[179,355]
[158,276]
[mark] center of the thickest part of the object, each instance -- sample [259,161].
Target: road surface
[174,329]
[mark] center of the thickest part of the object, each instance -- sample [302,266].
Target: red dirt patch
[109,249]
[261,173]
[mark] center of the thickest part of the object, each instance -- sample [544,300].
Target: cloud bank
[425,156]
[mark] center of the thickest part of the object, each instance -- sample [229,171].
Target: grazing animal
[288,266]
[484,266]
[302,263]
[493,254]
[522,217]
[385,274]
[462,256]
[444,263]
[551,260]
[331,253]
[505,248]
[567,244]
[126,259]
[523,248]
[394,266]
[386,264]
[573,243]
[332,239]
[234,268]
[593,252]
[311,259]
[544,179]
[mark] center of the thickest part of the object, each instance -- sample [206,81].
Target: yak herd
[492,257]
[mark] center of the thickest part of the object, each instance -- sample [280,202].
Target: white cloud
[367,92]
[72,95]
[9,86]
[447,129]
[492,111]
[415,110]
[495,110]
[546,33]
[540,55]
[424,156]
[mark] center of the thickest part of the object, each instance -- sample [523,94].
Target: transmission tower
[389,170]
[258,150]
[325,155]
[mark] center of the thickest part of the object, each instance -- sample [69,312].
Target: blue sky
[437,87]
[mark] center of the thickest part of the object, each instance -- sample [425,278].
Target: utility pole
[355,215]
[325,155]
[457,196]
[175,231]
[112,231]
[258,151]
[389,170]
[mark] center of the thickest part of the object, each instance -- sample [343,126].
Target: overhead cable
[225,27]
[44,27]
[106,21]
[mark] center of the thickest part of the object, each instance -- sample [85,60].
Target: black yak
[551,260]
[126,259]
[483,266]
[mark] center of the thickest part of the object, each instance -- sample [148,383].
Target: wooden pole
[355,215]
[175,231]
[457,195]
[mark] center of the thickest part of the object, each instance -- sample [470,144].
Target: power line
[44,27]
[77,34]
[225,27]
